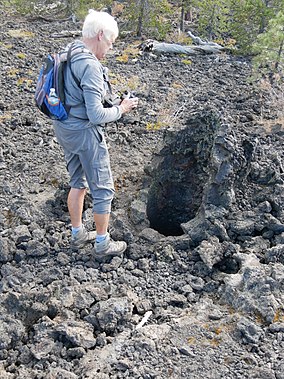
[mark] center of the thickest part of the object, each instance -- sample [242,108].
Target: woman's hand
[128,105]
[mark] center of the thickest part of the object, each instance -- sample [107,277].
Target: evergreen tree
[148,17]
[81,7]
[212,17]
[250,18]
[269,48]
[186,11]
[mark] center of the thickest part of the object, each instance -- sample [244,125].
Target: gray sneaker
[108,248]
[82,238]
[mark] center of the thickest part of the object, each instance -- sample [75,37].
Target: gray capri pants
[88,163]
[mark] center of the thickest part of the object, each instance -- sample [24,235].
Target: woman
[81,135]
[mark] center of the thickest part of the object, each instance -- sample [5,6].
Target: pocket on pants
[102,168]
[104,175]
[97,134]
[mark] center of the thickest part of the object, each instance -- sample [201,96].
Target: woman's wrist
[122,108]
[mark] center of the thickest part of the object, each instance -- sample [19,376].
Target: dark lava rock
[198,170]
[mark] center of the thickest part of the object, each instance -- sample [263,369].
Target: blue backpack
[51,78]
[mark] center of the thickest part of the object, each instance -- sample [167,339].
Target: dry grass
[130,53]
[271,126]
[168,115]
[117,9]
[276,104]
[6,116]
[179,37]
[122,83]
[20,33]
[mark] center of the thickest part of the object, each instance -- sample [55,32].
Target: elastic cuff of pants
[102,212]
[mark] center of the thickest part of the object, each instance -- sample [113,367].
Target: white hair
[99,21]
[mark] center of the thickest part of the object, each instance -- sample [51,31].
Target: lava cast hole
[179,174]
[174,196]
[176,205]
[165,223]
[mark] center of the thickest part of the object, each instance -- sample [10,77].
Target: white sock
[100,237]
[76,229]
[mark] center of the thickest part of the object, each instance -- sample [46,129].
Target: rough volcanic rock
[198,171]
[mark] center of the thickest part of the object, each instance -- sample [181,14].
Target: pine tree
[186,10]
[148,17]
[212,17]
[249,18]
[269,48]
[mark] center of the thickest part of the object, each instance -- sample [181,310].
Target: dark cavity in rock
[181,170]
[228,265]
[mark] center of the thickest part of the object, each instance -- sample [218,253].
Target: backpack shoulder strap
[69,56]
[73,51]
[66,56]
[106,79]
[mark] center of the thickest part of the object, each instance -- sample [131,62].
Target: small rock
[249,331]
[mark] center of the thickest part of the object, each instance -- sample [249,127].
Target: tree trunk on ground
[174,48]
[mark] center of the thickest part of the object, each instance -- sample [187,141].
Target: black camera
[126,95]
[116,99]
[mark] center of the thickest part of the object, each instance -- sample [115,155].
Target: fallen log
[174,48]
[66,34]
[199,47]
[51,18]
[198,41]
